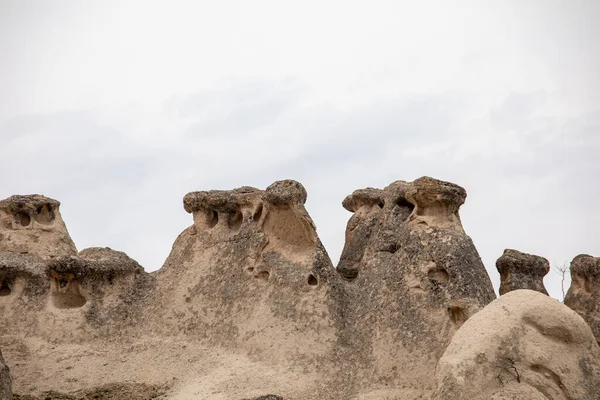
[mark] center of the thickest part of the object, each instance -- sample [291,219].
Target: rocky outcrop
[103,289]
[33,224]
[522,346]
[415,277]
[248,302]
[251,273]
[584,294]
[5,381]
[521,271]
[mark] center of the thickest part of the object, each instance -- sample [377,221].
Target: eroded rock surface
[252,273]
[5,381]
[522,346]
[33,224]
[415,277]
[521,271]
[248,302]
[584,294]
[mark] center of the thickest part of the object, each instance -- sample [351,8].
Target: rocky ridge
[249,303]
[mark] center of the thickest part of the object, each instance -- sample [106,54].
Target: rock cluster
[584,294]
[248,302]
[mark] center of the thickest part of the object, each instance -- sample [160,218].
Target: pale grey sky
[119,108]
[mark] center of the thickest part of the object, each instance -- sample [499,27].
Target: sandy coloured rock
[248,302]
[33,224]
[524,345]
[584,294]
[521,271]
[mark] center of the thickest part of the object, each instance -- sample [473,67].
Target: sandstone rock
[5,381]
[436,202]
[584,294]
[33,224]
[415,278]
[523,345]
[248,302]
[251,273]
[365,205]
[521,271]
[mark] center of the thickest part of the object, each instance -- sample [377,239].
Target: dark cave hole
[235,220]
[312,281]
[23,218]
[5,289]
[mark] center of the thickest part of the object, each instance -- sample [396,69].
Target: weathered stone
[584,294]
[5,381]
[415,278]
[522,346]
[248,301]
[521,271]
[436,202]
[33,224]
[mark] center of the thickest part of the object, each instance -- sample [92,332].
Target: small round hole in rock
[44,215]
[312,281]
[391,248]
[5,289]
[23,218]
[262,276]
[438,275]
[250,269]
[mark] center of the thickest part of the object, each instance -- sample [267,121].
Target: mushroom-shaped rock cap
[286,192]
[220,200]
[368,197]
[586,266]
[521,271]
[31,203]
[13,264]
[105,259]
[426,191]
[95,262]
[396,191]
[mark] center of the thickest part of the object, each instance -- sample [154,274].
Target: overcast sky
[118,109]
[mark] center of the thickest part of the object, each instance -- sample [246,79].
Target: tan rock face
[523,345]
[248,303]
[252,273]
[33,224]
[5,381]
[584,294]
[521,271]
[415,277]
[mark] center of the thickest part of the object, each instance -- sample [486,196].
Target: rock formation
[521,271]
[32,224]
[248,302]
[414,278]
[522,346]
[584,294]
